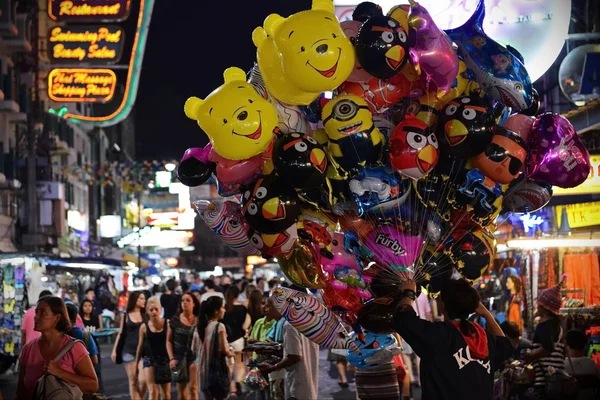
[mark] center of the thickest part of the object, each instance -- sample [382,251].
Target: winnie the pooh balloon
[314,54]
[238,121]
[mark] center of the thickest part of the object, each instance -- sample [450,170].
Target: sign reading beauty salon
[537,29]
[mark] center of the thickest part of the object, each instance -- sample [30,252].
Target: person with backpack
[54,361]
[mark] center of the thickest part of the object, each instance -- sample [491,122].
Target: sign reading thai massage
[89,10]
[89,85]
[89,44]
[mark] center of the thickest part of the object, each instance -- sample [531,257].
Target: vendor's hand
[53,368]
[265,368]
[173,364]
[481,310]
[113,356]
[408,284]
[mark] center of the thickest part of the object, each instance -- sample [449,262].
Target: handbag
[561,385]
[121,342]
[217,379]
[180,373]
[50,387]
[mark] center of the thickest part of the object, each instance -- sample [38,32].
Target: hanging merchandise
[583,272]
[13,304]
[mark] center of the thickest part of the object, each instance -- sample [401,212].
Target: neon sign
[88,10]
[86,44]
[81,85]
[530,221]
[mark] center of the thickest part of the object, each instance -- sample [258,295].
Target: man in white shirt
[301,364]
[209,286]
[579,364]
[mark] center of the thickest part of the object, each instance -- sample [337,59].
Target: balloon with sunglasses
[503,158]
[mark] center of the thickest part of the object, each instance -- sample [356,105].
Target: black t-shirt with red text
[448,369]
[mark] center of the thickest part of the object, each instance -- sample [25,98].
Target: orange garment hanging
[583,272]
[514,311]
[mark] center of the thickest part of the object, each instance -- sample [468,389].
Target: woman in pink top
[37,356]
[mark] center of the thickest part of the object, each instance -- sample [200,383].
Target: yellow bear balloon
[238,121]
[309,51]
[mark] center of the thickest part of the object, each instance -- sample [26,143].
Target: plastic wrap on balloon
[300,159]
[377,314]
[270,205]
[385,123]
[414,148]
[358,74]
[520,124]
[395,248]
[382,46]
[224,218]
[310,318]
[304,54]
[432,52]
[354,140]
[316,227]
[379,191]
[239,122]
[380,95]
[302,266]
[466,126]
[499,70]
[472,250]
[556,154]
[274,244]
[526,196]
[376,350]
[343,270]
[504,158]
[194,168]
[291,118]
[233,175]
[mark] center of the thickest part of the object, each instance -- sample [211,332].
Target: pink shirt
[27,326]
[422,306]
[31,359]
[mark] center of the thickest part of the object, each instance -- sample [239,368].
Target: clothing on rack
[583,272]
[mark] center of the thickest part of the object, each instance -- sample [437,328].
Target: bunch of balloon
[400,174]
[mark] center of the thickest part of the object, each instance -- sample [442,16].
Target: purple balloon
[394,248]
[199,153]
[556,154]
[432,52]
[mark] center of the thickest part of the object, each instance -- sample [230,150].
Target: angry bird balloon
[432,52]
[238,121]
[275,243]
[315,55]
[271,205]
[466,126]
[354,140]
[499,70]
[414,148]
[382,46]
[358,74]
[301,159]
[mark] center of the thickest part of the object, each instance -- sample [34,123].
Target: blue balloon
[378,349]
[378,191]
[499,70]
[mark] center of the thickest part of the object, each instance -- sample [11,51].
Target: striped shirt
[549,335]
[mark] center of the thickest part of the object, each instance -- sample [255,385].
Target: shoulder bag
[561,385]
[50,387]
[121,343]
[217,376]
[180,373]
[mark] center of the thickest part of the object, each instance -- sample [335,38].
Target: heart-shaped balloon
[556,154]
[526,196]
[194,168]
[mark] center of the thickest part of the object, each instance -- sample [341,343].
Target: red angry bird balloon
[414,148]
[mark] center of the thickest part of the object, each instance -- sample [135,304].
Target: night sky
[189,46]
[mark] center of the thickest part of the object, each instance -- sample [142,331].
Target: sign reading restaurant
[88,10]
[88,85]
[93,45]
